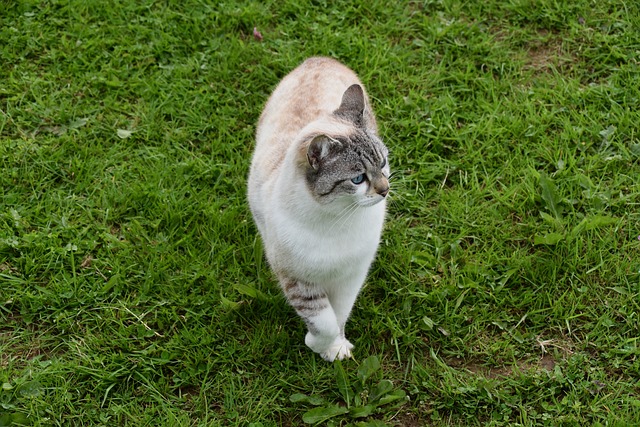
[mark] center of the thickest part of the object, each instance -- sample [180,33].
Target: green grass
[132,286]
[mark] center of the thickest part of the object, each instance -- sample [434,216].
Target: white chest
[325,249]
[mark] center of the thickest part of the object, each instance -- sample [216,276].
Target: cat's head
[351,166]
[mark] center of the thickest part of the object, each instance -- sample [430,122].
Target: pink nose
[383,191]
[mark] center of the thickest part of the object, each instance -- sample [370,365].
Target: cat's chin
[368,202]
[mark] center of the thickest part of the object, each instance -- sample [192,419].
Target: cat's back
[308,94]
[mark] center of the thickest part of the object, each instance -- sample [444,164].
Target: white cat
[317,190]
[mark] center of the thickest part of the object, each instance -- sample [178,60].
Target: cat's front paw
[340,349]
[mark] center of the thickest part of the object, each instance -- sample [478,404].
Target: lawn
[133,289]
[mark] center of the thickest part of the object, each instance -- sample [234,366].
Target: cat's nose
[383,191]
[381,186]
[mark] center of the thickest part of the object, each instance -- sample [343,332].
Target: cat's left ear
[352,105]
[319,148]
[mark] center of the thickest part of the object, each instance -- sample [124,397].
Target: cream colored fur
[328,245]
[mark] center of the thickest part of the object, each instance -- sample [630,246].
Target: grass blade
[550,195]
[343,383]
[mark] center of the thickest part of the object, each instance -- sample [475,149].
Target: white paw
[340,349]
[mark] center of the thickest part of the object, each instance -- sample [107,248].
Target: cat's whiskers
[397,188]
[345,215]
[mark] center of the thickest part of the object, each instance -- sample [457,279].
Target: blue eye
[358,179]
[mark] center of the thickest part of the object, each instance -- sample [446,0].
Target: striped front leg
[325,335]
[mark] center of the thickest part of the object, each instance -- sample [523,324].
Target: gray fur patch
[306,300]
[361,152]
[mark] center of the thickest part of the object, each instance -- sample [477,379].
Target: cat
[317,190]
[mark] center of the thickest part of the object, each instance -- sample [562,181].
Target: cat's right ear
[319,148]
